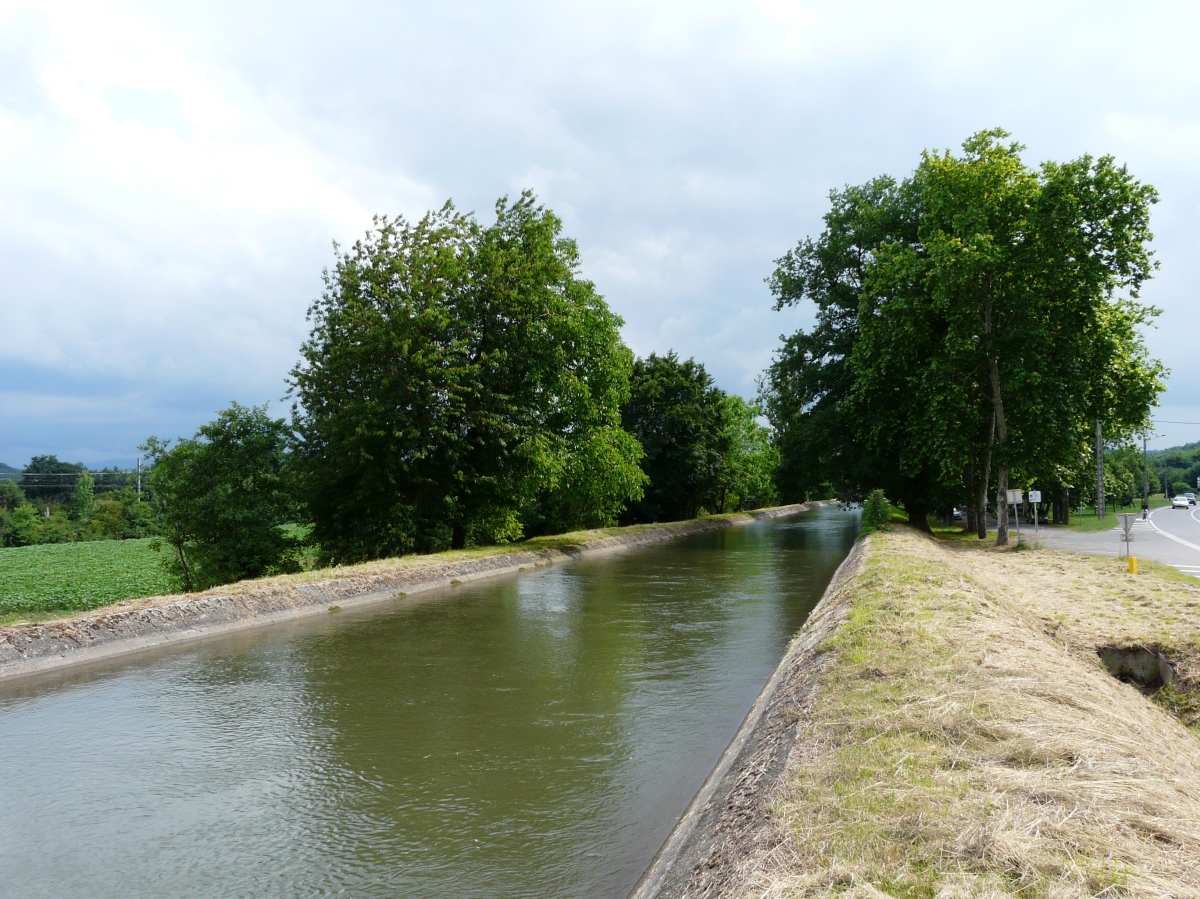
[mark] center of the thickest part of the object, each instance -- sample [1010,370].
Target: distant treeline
[61,502]
[1176,468]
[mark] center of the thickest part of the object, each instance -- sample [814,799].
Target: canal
[534,735]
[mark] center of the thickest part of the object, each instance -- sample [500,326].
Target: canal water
[535,735]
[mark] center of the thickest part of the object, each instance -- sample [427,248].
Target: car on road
[1191,498]
[1179,502]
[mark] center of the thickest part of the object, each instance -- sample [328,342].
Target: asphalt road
[1170,536]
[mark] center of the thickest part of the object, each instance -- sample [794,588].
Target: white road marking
[1171,536]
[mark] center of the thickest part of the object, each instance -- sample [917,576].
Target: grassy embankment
[38,583]
[965,739]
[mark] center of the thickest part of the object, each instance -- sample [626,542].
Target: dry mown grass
[968,742]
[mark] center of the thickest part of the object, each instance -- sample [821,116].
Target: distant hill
[1185,448]
[8,471]
[119,464]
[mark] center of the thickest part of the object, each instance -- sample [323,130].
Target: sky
[173,175]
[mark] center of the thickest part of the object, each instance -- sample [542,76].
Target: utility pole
[1099,472]
[139,479]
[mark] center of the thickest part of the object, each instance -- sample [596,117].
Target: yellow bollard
[1133,564]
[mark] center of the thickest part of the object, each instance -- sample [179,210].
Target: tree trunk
[1002,506]
[1100,510]
[458,537]
[1001,440]
[918,516]
[981,500]
[1062,508]
[969,511]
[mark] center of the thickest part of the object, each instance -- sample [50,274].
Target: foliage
[808,391]
[877,512]
[678,417]
[978,315]
[459,383]
[1177,465]
[23,527]
[83,501]
[224,497]
[77,576]
[11,495]
[47,480]
[747,476]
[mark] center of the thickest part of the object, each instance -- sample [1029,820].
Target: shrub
[877,511]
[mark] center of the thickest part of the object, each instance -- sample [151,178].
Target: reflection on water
[535,735]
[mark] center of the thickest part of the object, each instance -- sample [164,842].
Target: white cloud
[172,174]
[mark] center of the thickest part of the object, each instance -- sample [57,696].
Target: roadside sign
[1035,496]
[1014,496]
[1127,520]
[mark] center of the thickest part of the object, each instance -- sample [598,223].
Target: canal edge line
[729,806]
[27,649]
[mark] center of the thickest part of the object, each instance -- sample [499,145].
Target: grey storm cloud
[174,174]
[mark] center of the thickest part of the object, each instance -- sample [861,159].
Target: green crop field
[74,576]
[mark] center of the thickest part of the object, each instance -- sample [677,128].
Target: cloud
[172,175]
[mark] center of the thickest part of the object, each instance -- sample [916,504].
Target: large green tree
[809,391]
[678,416]
[990,330]
[225,496]
[460,384]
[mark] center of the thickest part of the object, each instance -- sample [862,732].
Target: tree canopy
[705,450]
[977,315]
[676,413]
[461,384]
[224,497]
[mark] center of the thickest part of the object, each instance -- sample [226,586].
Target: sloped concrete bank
[146,623]
[727,821]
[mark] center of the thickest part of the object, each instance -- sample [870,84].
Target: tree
[83,501]
[747,477]
[979,314]
[24,527]
[11,494]
[225,495]
[460,383]
[826,445]
[1024,267]
[47,480]
[678,417]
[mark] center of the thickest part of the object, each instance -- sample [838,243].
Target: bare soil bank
[143,623]
[957,721]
